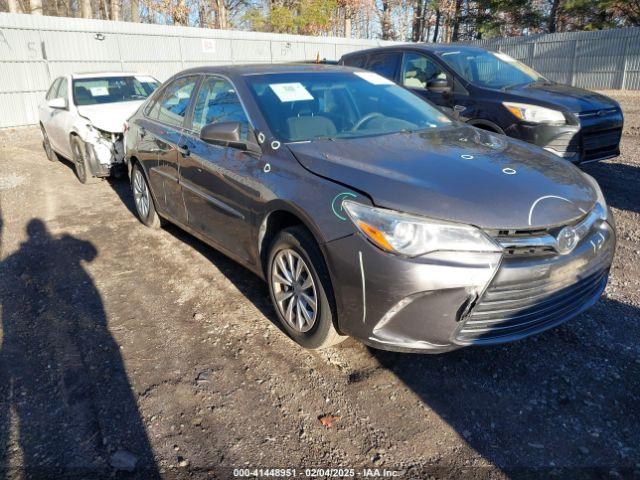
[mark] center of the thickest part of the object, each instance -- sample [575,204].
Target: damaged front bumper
[105,152]
[446,300]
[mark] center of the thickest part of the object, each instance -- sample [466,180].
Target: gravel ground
[134,353]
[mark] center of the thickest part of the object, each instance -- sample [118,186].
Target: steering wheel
[368,117]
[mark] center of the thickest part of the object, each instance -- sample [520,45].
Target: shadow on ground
[563,403]
[66,405]
[619,182]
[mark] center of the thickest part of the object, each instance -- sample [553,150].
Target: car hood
[460,174]
[574,99]
[110,117]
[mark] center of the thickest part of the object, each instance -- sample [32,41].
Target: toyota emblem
[566,240]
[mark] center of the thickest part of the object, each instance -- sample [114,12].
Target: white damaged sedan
[83,119]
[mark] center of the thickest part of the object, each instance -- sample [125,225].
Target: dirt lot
[135,353]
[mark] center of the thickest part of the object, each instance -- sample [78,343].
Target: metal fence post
[573,63]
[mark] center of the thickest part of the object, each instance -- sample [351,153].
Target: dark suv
[492,91]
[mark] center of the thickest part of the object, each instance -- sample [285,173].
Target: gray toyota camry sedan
[369,212]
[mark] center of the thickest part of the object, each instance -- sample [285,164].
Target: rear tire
[143,199]
[81,162]
[301,289]
[46,144]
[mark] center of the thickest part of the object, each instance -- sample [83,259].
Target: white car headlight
[534,113]
[412,235]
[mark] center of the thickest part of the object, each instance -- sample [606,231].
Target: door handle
[184,151]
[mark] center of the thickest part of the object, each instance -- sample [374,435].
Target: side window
[53,90]
[418,71]
[153,107]
[385,64]
[175,101]
[63,91]
[356,61]
[218,102]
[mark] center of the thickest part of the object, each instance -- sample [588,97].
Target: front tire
[301,289]
[46,144]
[143,200]
[81,162]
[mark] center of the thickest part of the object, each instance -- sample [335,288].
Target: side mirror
[59,103]
[226,134]
[439,85]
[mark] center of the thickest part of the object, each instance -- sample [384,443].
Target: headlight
[412,235]
[601,207]
[534,113]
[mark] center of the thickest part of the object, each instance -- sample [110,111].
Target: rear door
[45,110]
[385,63]
[220,184]
[162,135]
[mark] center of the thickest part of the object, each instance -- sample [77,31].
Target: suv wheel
[301,290]
[81,162]
[142,198]
[46,143]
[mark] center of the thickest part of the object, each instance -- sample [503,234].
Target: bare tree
[85,9]
[36,7]
[115,9]
[14,6]
[386,24]
[221,14]
[135,11]
[553,17]
[455,30]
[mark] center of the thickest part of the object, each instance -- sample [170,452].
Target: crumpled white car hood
[109,117]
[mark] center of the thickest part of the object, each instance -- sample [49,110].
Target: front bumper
[447,300]
[594,138]
[106,157]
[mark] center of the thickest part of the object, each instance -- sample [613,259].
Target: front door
[219,183]
[420,74]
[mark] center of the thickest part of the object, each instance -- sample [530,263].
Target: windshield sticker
[99,91]
[503,56]
[374,78]
[291,92]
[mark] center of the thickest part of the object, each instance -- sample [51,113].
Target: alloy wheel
[81,171]
[294,290]
[47,144]
[141,194]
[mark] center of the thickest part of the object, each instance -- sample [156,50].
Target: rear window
[355,61]
[98,90]
[385,64]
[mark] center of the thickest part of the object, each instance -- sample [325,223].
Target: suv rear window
[356,61]
[385,64]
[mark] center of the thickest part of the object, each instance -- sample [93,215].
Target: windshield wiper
[513,85]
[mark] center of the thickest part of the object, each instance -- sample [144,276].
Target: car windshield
[490,69]
[342,104]
[98,90]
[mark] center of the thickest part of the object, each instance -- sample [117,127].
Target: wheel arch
[486,125]
[280,216]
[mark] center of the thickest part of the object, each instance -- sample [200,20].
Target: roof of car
[426,47]
[262,69]
[107,74]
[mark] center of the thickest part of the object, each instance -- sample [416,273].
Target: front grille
[517,309]
[600,144]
